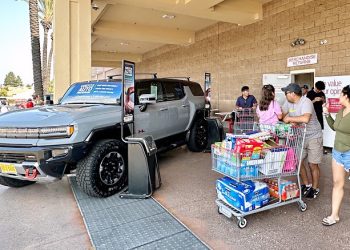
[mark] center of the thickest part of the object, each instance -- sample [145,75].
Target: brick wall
[240,55]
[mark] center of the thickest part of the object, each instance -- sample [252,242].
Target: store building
[236,41]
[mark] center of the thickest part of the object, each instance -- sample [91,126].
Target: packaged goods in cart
[244,196]
[287,189]
[248,169]
[262,151]
[229,142]
[263,136]
[282,129]
[249,148]
[274,160]
[231,164]
[270,144]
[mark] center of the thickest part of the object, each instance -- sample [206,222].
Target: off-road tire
[10,182]
[88,175]
[198,138]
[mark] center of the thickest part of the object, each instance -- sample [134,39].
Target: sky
[15,48]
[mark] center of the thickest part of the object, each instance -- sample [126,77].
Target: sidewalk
[41,216]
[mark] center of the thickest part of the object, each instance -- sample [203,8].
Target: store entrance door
[303,77]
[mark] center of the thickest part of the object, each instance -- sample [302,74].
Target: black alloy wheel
[112,168]
[198,139]
[201,136]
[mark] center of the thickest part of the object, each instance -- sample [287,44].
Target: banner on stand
[128,91]
[334,86]
[207,86]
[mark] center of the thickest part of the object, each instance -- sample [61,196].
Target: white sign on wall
[302,60]
[334,86]
[278,81]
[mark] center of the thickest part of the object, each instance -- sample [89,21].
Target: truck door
[178,106]
[156,118]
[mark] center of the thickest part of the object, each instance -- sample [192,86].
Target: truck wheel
[198,139]
[103,172]
[11,182]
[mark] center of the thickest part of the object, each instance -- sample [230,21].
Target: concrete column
[72,43]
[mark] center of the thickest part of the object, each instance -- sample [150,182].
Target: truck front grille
[16,158]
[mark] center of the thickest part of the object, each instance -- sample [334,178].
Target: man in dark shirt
[318,98]
[244,118]
[245,100]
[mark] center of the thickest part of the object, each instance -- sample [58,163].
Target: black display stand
[215,132]
[143,167]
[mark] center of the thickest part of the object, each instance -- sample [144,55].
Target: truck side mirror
[146,99]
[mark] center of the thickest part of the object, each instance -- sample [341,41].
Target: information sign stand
[142,158]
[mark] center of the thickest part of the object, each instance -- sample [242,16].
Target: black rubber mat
[115,223]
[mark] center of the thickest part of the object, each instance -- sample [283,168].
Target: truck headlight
[61,131]
[46,132]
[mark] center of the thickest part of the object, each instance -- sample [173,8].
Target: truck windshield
[93,93]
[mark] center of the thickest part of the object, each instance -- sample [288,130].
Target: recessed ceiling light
[166,16]
[124,44]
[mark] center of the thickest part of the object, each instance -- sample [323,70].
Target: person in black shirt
[244,105]
[318,98]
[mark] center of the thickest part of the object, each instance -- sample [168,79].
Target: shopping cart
[245,120]
[277,164]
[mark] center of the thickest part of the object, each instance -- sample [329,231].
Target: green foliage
[19,81]
[3,92]
[46,10]
[12,81]
[28,86]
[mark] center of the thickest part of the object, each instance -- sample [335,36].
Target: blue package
[244,196]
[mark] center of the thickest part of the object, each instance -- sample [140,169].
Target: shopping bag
[290,164]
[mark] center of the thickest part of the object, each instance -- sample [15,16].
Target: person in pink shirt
[268,110]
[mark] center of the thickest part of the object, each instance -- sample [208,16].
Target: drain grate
[115,223]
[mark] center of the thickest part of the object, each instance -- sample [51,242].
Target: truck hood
[54,115]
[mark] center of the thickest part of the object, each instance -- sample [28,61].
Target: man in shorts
[299,109]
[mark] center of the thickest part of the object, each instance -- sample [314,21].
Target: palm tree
[49,61]
[46,15]
[35,43]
